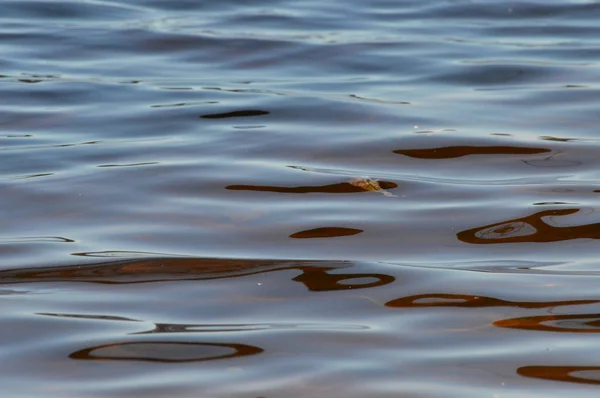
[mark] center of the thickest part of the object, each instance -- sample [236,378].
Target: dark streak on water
[235,114]
[343,187]
[299,199]
[326,232]
[459,151]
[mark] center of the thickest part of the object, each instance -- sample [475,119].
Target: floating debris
[369,184]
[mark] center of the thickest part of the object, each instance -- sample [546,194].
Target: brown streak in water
[469,301]
[88,353]
[460,151]
[326,232]
[537,323]
[314,277]
[536,230]
[343,187]
[317,279]
[558,373]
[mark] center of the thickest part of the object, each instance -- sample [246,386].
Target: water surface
[299,199]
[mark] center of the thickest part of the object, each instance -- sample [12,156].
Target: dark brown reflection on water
[165,351]
[344,187]
[141,271]
[469,301]
[326,232]
[317,279]
[466,150]
[560,373]
[584,323]
[245,113]
[313,276]
[530,229]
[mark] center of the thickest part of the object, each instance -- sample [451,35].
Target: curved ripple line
[246,327]
[36,239]
[437,180]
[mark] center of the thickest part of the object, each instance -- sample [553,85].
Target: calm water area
[299,199]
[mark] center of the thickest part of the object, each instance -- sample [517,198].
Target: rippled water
[299,198]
